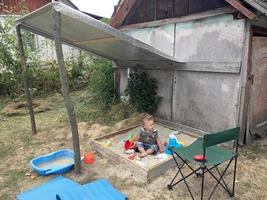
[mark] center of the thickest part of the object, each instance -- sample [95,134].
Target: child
[148,141]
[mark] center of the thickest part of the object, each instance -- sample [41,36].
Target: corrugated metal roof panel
[85,32]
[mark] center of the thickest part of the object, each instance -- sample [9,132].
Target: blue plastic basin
[54,163]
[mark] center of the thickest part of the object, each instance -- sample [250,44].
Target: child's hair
[147,117]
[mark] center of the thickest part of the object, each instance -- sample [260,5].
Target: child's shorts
[146,146]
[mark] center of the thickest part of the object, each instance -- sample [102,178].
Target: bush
[11,83]
[45,81]
[101,83]
[41,81]
[90,112]
[142,92]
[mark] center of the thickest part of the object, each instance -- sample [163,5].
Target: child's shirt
[148,137]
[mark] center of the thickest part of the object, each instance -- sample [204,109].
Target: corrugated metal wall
[204,94]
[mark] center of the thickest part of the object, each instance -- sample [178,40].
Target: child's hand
[161,150]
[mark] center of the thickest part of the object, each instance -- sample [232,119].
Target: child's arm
[136,138]
[159,143]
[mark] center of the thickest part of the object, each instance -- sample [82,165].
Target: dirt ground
[18,147]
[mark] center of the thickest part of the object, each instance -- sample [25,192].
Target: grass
[5,150]
[17,145]
[10,183]
[97,113]
[13,177]
[2,103]
[254,151]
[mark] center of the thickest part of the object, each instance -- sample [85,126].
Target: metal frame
[56,13]
[25,79]
[64,86]
[200,172]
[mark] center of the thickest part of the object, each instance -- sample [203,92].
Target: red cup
[89,158]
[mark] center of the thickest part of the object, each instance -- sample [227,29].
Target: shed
[223,82]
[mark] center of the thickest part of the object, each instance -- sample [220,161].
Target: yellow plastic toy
[107,143]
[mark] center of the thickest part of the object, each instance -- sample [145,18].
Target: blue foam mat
[48,190]
[97,190]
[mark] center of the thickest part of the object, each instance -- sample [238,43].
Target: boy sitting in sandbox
[148,141]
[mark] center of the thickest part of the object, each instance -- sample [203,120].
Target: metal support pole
[116,75]
[25,79]
[65,92]
[202,183]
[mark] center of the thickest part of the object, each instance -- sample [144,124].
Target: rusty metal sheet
[258,92]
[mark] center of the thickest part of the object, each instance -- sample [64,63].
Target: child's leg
[152,149]
[141,149]
[142,152]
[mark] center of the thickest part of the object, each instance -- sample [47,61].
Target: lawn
[18,147]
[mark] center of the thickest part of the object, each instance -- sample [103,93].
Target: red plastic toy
[89,158]
[200,158]
[129,145]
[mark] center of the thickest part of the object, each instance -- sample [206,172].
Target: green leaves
[10,68]
[142,92]
[101,82]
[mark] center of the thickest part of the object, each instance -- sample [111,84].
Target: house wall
[47,53]
[46,49]
[205,94]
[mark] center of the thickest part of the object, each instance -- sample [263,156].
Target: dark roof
[124,6]
[260,5]
[121,11]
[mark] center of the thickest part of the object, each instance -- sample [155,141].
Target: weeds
[5,150]
[12,178]
[2,104]
[108,115]
[253,151]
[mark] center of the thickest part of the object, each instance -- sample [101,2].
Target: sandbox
[111,146]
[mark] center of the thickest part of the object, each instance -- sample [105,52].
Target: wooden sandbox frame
[143,173]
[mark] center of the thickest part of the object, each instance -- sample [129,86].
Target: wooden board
[153,167]
[258,88]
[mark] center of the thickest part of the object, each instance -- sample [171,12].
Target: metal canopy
[84,32]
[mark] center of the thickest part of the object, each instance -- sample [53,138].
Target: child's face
[149,125]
